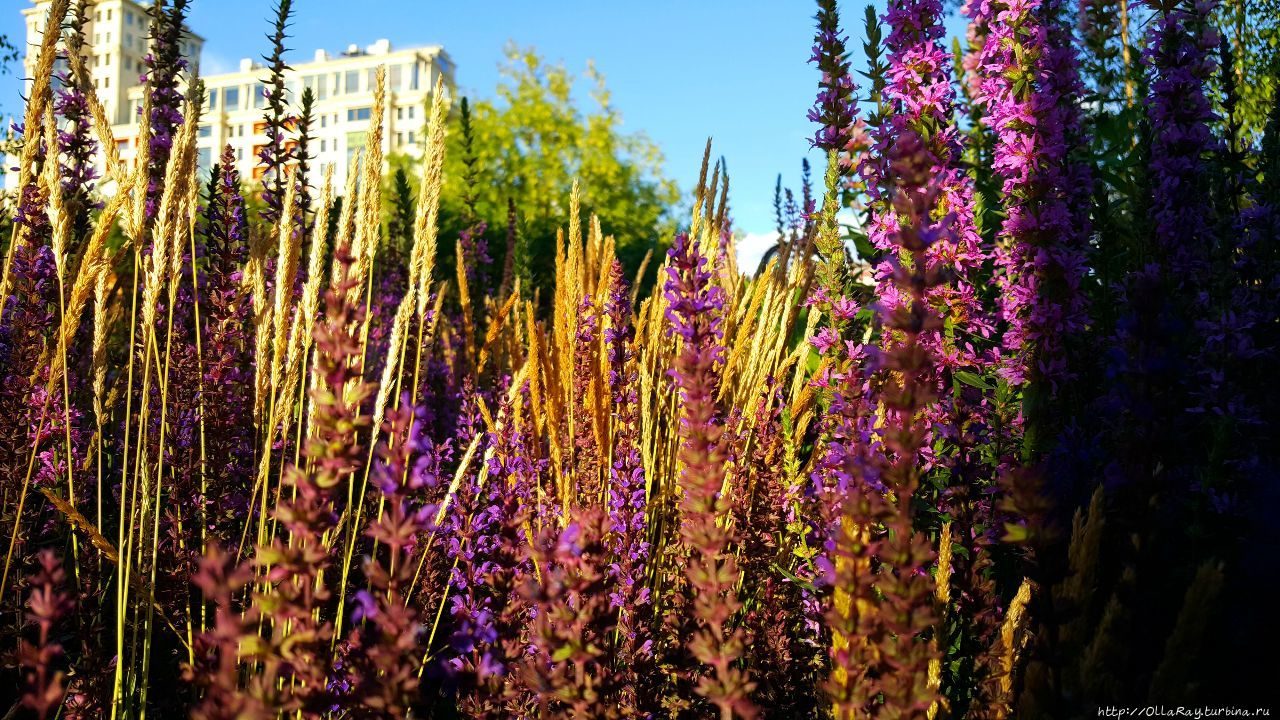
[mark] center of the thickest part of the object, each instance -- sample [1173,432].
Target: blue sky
[734,70]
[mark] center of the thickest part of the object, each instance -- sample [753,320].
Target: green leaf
[795,578]
[973,380]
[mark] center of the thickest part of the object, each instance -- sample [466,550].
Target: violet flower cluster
[1030,89]
[834,109]
[164,63]
[695,305]
[920,98]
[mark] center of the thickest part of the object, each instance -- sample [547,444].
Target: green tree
[530,143]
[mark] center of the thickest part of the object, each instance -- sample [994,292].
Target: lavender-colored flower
[629,594]
[475,250]
[77,148]
[834,110]
[920,99]
[1030,89]
[878,610]
[164,63]
[488,544]
[694,307]
[1180,57]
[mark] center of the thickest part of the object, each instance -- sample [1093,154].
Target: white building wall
[235,102]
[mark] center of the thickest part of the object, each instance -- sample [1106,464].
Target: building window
[355,142]
[106,82]
[356,114]
[322,145]
[128,17]
[352,83]
[411,109]
[108,60]
[316,84]
[373,79]
[395,77]
[324,121]
[259,96]
[413,77]
[206,131]
[409,135]
[108,13]
[231,98]
[212,100]
[204,159]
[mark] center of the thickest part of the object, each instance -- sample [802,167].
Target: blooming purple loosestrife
[78,147]
[1152,383]
[163,65]
[386,644]
[1180,57]
[294,674]
[834,108]
[490,547]
[881,609]
[227,382]
[392,281]
[695,309]
[780,656]
[920,99]
[51,450]
[752,473]
[585,464]
[1030,89]
[475,248]
[846,487]
[28,315]
[629,595]
[572,622]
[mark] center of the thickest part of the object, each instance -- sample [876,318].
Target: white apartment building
[343,86]
[116,40]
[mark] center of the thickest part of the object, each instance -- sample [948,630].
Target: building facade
[117,39]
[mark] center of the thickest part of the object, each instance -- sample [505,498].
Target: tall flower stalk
[695,307]
[883,602]
[834,108]
[629,597]
[164,65]
[1030,90]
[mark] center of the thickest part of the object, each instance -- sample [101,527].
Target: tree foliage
[532,140]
